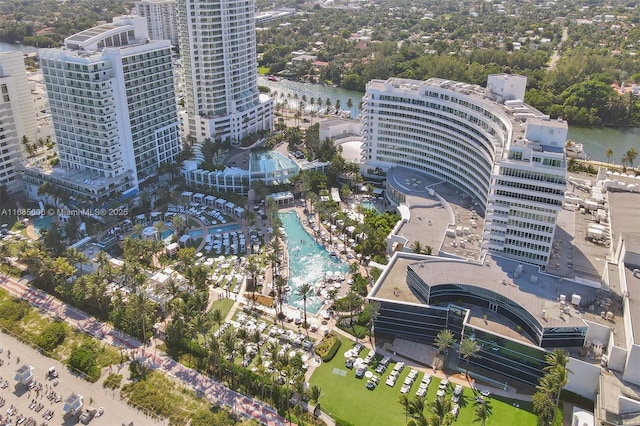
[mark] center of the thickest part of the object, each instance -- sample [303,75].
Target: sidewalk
[214,391]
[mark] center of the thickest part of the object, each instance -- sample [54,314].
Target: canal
[596,140]
[316,91]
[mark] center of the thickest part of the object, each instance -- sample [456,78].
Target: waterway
[8,47]
[596,140]
[316,91]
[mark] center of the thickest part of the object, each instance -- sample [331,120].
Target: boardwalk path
[213,390]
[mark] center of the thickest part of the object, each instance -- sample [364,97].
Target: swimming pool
[197,233]
[308,261]
[368,205]
[42,223]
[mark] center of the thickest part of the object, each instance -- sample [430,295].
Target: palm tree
[76,257]
[624,160]
[338,105]
[468,349]
[404,401]
[444,340]
[371,311]
[557,376]
[440,410]
[416,247]
[349,104]
[143,308]
[178,222]
[252,267]
[609,154]
[352,300]
[481,413]
[632,153]
[416,407]
[305,291]
[160,228]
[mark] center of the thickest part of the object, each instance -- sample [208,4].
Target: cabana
[228,207]
[186,195]
[239,212]
[209,200]
[282,198]
[198,197]
[220,202]
[184,240]
[172,249]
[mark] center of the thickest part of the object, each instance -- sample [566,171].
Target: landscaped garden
[342,392]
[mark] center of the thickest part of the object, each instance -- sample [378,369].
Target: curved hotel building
[487,142]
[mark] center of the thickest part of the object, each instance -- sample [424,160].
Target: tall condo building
[113,109]
[507,156]
[17,118]
[161,19]
[217,42]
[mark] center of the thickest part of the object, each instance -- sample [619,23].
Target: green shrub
[112,381]
[328,347]
[83,358]
[51,336]
[13,310]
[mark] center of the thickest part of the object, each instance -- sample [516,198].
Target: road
[556,53]
[214,391]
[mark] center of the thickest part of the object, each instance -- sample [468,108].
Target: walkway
[214,391]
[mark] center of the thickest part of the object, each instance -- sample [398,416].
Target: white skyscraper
[217,42]
[161,19]
[17,118]
[113,108]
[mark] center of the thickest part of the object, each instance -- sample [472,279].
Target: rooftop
[90,33]
[538,293]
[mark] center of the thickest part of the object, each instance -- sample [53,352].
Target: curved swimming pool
[308,261]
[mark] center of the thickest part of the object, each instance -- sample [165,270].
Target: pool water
[308,261]
[368,205]
[42,223]
[197,233]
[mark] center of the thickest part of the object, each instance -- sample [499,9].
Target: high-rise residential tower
[17,118]
[161,19]
[113,108]
[217,41]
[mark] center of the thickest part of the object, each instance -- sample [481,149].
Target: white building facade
[217,41]
[457,132]
[161,19]
[113,107]
[17,118]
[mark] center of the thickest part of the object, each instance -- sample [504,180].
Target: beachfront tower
[17,118]
[113,108]
[217,40]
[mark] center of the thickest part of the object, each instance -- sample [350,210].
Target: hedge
[328,347]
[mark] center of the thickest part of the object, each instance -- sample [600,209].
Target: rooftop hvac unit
[575,299]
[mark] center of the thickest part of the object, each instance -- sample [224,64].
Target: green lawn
[224,306]
[347,398]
